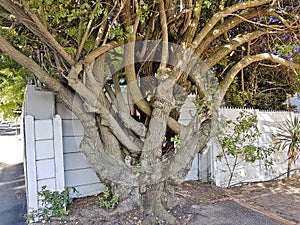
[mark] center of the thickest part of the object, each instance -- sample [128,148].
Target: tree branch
[163,22]
[222,14]
[35,26]
[85,37]
[100,51]
[227,48]
[100,33]
[28,63]
[137,127]
[226,26]
[192,26]
[163,104]
[194,139]
[188,17]
[229,77]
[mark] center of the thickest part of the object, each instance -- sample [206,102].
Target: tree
[89,52]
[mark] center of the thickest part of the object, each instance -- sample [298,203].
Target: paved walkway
[228,213]
[12,194]
[277,199]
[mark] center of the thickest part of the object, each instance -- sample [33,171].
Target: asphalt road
[12,183]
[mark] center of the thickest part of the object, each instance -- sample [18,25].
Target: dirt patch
[84,211]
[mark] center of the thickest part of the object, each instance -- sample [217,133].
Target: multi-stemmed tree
[125,68]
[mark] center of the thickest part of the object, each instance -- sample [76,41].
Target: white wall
[43,157]
[212,170]
[295,101]
[249,172]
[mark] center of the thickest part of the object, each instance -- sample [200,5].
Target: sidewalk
[228,212]
[279,199]
[12,183]
[12,194]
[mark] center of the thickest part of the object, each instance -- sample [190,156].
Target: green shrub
[54,203]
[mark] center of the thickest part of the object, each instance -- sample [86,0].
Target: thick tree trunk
[129,197]
[154,201]
[145,190]
[135,190]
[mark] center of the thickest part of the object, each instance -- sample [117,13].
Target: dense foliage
[13,79]
[264,88]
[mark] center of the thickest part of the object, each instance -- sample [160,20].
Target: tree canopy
[155,53]
[13,79]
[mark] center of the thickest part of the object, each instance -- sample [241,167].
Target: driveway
[12,183]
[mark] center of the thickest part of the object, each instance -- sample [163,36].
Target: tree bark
[153,202]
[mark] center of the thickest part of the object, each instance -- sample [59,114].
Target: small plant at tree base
[107,200]
[288,136]
[238,141]
[54,204]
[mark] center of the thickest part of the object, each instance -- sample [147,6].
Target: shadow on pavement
[12,194]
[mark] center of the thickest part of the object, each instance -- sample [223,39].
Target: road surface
[12,184]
